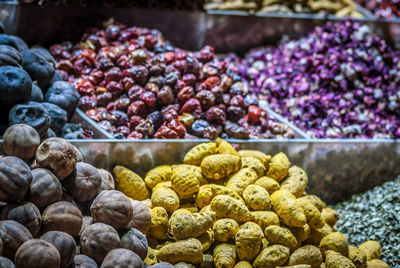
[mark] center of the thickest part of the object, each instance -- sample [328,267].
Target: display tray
[336,169]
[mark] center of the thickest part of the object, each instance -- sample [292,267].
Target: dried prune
[57,115]
[38,67]
[64,95]
[36,93]
[15,86]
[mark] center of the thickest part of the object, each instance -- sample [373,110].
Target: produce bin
[336,169]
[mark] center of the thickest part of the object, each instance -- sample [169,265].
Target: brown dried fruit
[37,253]
[26,214]
[13,234]
[57,155]
[64,243]
[141,217]
[45,188]
[21,140]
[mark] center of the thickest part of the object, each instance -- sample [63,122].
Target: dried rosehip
[124,130]
[135,92]
[212,82]
[171,79]
[123,103]
[218,94]
[185,94]
[152,88]
[138,73]
[135,136]
[156,118]
[84,87]
[112,32]
[193,107]
[206,98]
[254,114]
[186,119]
[189,79]
[170,114]
[198,127]
[137,108]
[134,121]
[107,126]
[145,127]
[166,133]
[87,102]
[206,54]
[93,114]
[104,99]
[128,83]
[211,133]
[216,115]
[157,80]
[115,88]
[111,106]
[178,127]
[114,74]
[149,98]
[235,113]
[226,82]
[237,100]
[138,56]
[121,118]
[165,96]
[97,75]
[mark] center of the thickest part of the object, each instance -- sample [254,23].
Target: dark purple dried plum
[36,93]
[58,116]
[13,41]
[10,56]
[64,95]
[236,131]
[38,67]
[156,118]
[45,54]
[198,127]
[15,86]
[33,114]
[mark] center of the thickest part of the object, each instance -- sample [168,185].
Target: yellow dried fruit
[157,175]
[225,230]
[130,183]
[335,241]
[190,251]
[180,211]
[224,256]
[316,235]
[256,197]
[265,218]
[199,152]
[296,181]
[166,198]
[241,179]
[190,207]
[268,184]
[159,223]
[357,256]
[243,264]
[248,241]
[315,200]
[314,219]
[219,166]
[264,158]
[281,236]
[336,260]
[209,191]
[372,249]
[308,254]
[264,243]
[207,239]
[301,233]
[185,180]
[151,257]
[272,257]
[330,216]
[206,209]
[377,264]
[183,226]
[278,167]
[224,147]
[288,209]
[167,184]
[253,163]
[227,207]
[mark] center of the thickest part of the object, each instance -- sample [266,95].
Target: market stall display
[136,85]
[389,9]
[261,217]
[340,81]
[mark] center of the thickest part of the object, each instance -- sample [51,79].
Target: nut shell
[112,207]
[15,178]
[21,140]
[25,213]
[62,216]
[141,217]
[37,253]
[64,243]
[57,155]
[84,183]
[13,234]
[98,239]
[122,258]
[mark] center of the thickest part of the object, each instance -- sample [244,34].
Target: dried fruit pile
[33,93]
[45,208]
[228,208]
[340,8]
[389,9]
[137,85]
[340,81]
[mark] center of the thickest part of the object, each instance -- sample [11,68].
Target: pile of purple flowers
[340,81]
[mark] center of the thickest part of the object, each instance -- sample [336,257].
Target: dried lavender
[340,81]
[374,215]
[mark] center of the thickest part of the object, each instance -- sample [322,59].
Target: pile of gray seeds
[374,215]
